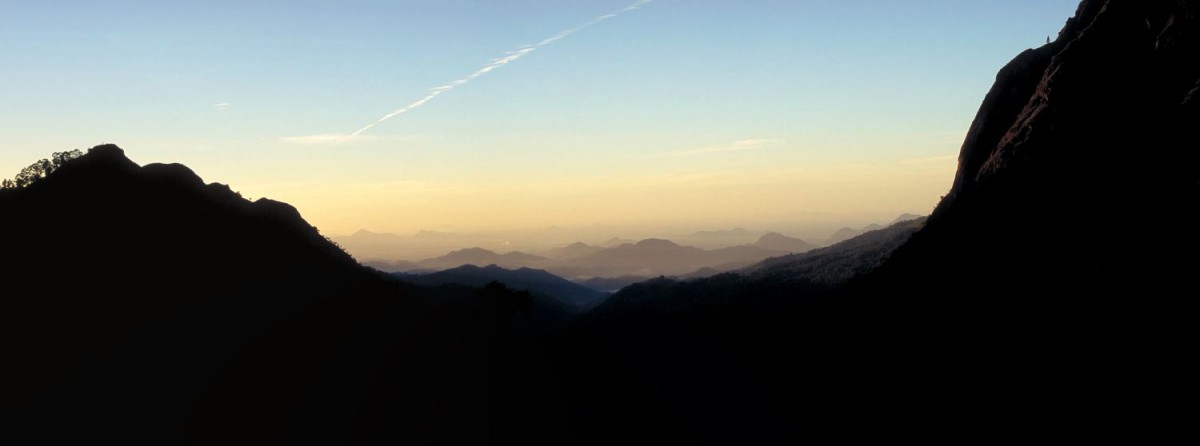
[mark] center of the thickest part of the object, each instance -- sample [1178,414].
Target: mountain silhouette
[573,297]
[160,226]
[775,241]
[646,257]
[657,257]
[578,249]
[843,234]
[480,256]
[722,238]
[616,241]
[176,311]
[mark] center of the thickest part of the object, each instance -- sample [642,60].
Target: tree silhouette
[40,169]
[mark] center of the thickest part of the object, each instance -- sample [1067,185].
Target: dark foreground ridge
[140,304]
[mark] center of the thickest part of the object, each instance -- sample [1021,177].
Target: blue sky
[677,92]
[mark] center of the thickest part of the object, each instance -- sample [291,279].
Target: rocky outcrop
[1092,136]
[1113,84]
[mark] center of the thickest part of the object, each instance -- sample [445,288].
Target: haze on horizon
[676,114]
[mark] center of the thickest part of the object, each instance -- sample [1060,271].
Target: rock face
[1117,82]
[1098,133]
[1099,121]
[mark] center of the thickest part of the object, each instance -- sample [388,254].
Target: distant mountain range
[775,241]
[574,250]
[541,284]
[643,259]
[481,257]
[593,267]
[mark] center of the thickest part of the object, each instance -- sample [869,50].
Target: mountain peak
[163,217]
[656,243]
[779,242]
[103,160]
[773,236]
[474,251]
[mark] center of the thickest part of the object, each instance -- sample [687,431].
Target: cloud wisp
[433,93]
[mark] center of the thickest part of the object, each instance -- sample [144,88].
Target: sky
[528,113]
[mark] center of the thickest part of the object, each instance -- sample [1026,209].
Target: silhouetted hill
[158,226]
[656,257]
[722,238]
[616,241]
[578,249]
[541,284]
[143,305]
[775,241]
[480,256]
[842,235]
[647,257]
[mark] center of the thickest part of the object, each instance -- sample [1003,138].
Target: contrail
[509,57]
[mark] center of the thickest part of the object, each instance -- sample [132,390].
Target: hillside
[1102,118]
[144,232]
[541,284]
[177,311]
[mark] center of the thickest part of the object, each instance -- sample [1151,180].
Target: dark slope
[158,232]
[1101,119]
[139,304]
[838,263]
[612,284]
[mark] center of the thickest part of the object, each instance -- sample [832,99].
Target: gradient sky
[701,113]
